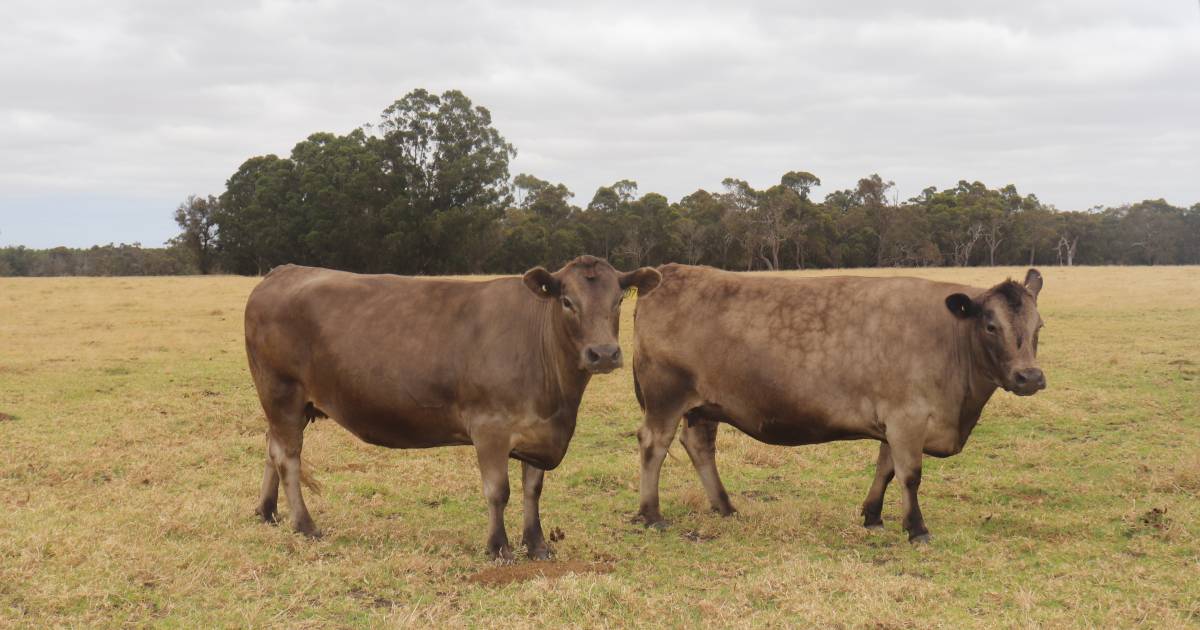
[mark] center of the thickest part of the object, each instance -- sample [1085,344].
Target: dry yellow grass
[129,471]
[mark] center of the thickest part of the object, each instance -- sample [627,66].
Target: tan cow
[419,362]
[790,361]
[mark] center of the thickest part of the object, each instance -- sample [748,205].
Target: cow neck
[978,385]
[562,380]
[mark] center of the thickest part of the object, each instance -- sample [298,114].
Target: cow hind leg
[283,403]
[285,454]
[268,503]
[654,438]
[699,439]
[872,507]
[532,537]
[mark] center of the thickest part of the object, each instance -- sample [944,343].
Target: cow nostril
[616,354]
[1030,376]
[591,355]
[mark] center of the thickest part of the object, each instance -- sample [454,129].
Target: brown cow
[790,361]
[419,362]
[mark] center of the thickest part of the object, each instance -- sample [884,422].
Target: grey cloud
[112,113]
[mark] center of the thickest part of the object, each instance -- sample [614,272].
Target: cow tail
[637,387]
[307,479]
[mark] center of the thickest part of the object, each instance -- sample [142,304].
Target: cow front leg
[699,439]
[654,438]
[872,507]
[532,537]
[906,459]
[493,469]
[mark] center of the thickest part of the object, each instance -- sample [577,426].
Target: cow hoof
[503,555]
[874,527]
[655,521]
[919,539]
[270,517]
[726,512]
[542,552]
[309,530]
[651,523]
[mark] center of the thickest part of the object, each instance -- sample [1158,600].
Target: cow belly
[791,429]
[797,431]
[403,431]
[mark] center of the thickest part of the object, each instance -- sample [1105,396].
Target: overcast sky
[112,112]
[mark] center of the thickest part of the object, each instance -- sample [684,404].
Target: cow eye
[991,328]
[568,304]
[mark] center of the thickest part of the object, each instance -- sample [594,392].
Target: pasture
[131,450]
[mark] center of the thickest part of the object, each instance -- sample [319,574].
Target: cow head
[589,293]
[1005,324]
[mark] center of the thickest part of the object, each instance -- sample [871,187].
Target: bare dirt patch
[525,571]
[1155,518]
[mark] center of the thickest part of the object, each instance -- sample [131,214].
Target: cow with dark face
[420,362]
[1005,326]
[790,361]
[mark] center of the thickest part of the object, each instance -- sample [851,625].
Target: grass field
[131,450]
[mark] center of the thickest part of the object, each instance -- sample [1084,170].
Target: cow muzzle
[601,359]
[1027,382]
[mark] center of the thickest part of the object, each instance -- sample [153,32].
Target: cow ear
[1033,282]
[646,279]
[542,283]
[962,305]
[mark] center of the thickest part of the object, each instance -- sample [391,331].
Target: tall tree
[197,218]
[340,196]
[872,194]
[698,228]
[543,228]
[1154,230]
[740,201]
[777,214]
[447,170]
[604,216]
[258,221]
[800,181]
[649,235]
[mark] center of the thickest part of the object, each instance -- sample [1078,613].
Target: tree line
[427,190]
[100,260]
